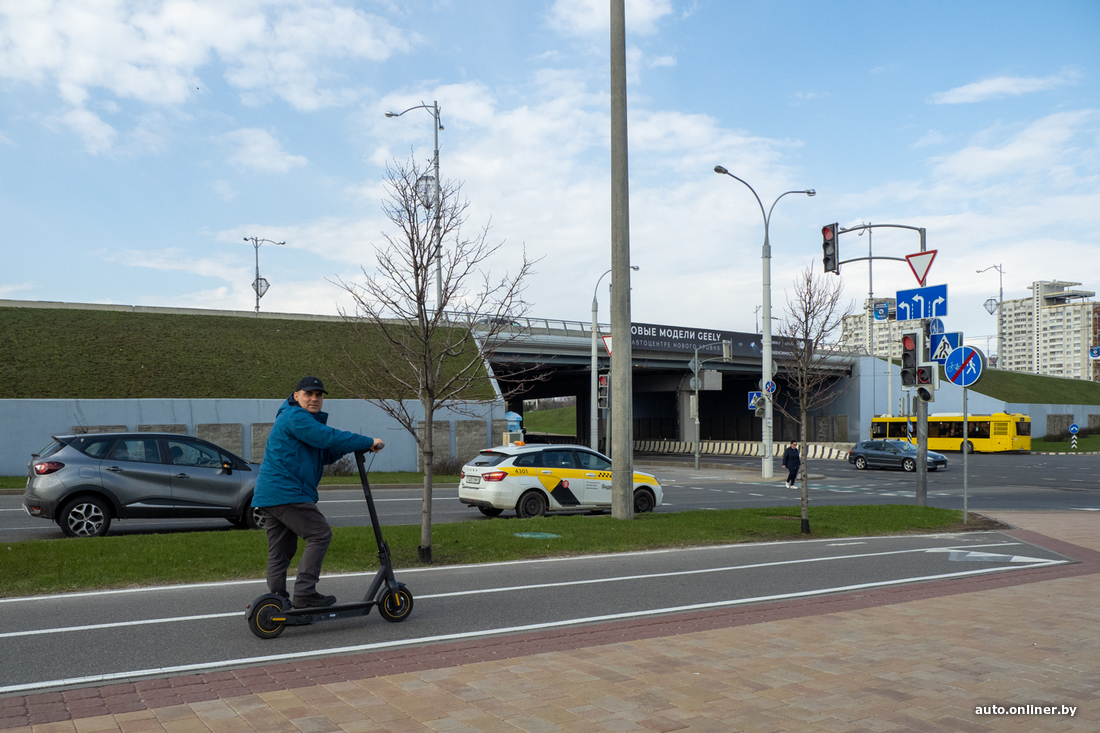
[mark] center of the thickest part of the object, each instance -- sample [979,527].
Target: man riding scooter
[300,445]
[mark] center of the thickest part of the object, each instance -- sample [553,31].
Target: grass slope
[88,354]
[555,420]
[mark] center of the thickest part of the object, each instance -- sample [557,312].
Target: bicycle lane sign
[964,366]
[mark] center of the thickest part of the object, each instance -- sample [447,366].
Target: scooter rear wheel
[395,605]
[260,620]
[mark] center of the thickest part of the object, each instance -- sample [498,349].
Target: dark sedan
[892,454]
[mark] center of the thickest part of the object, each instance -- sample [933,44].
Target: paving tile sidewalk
[919,658]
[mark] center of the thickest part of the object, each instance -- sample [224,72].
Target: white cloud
[96,134]
[932,137]
[1003,86]
[1036,150]
[260,151]
[585,17]
[225,190]
[153,52]
[6,290]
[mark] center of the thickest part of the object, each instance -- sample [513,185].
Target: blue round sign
[1074,428]
[936,326]
[964,366]
[769,387]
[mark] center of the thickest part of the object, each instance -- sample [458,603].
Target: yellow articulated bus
[994,433]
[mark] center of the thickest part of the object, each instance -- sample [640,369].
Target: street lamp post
[433,110]
[1000,308]
[594,425]
[767,464]
[260,285]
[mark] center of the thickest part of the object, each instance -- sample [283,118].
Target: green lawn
[1085,444]
[51,566]
[555,420]
[120,355]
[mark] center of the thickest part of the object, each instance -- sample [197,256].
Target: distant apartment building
[1050,333]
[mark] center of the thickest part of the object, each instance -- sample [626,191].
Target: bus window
[897,430]
[1023,427]
[979,430]
[878,430]
[944,429]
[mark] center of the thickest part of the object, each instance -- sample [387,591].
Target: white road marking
[204,666]
[563,584]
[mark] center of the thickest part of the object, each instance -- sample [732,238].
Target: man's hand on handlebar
[379,444]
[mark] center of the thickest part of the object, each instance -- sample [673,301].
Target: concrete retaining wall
[242,426]
[827,451]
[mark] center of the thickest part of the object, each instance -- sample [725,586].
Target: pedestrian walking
[792,462]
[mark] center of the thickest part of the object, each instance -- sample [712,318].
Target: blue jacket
[299,447]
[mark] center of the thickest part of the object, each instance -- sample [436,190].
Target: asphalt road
[995,482]
[73,640]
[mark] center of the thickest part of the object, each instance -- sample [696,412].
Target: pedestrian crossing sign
[943,344]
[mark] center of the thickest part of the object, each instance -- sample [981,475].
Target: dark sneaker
[314,601]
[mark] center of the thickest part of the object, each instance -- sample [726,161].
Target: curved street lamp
[433,110]
[767,464]
[594,424]
[260,285]
[1000,303]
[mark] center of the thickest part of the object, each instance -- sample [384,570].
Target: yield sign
[607,343]
[920,263]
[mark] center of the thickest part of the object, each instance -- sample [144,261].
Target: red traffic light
[604,379]
[908,343]
[827,231]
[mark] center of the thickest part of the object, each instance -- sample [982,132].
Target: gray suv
[83,482]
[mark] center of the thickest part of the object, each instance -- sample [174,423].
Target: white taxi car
[536,479]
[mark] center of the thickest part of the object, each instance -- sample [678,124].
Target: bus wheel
[968,447]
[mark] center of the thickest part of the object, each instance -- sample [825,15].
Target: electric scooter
[270,613]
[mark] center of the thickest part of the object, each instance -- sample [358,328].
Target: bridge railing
[530,325]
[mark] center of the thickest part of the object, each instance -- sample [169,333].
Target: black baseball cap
[310,383]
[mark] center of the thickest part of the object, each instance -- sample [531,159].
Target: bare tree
[434,356]
[811,353]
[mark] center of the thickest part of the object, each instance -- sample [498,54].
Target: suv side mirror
[227,467]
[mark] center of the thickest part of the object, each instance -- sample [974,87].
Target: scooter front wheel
[262,621]
[395,605]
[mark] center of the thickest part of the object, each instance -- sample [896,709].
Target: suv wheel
[254,518]
[86,516]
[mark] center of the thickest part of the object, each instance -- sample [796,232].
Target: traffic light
[830,254]
[911,353]
[758,405]
[604,389]
[928,380]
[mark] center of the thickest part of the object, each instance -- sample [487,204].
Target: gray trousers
[285,523]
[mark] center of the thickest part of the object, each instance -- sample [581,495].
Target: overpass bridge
[553,358]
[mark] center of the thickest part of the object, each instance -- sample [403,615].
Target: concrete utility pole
[622,387]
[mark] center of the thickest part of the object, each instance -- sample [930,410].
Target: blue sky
[142,141]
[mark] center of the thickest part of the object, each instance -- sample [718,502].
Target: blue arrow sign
[753,396]
[964,366]
[1074,428]
[943,344]
[918,303]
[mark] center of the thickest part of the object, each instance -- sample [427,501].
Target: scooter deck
[303,616]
